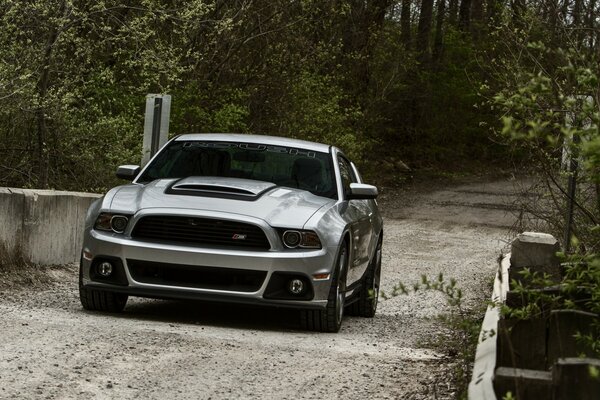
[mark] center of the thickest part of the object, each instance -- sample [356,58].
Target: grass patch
[460,345]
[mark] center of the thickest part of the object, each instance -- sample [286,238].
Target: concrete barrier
[535,358]
[536,251]
[481,386]
[45,226]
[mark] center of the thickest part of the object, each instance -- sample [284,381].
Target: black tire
[366,305]
[330,318]
[100,300]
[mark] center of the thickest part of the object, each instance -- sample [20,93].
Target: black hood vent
[227,188]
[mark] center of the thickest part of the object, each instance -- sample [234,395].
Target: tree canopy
[410,80]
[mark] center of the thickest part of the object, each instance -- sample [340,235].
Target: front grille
[200,231]
[216,278]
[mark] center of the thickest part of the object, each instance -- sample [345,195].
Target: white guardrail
[481,385]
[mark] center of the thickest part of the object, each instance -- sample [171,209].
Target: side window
[347,174]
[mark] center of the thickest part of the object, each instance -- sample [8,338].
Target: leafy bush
[550,110]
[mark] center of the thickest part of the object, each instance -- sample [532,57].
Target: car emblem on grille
[239,236]
[192,221]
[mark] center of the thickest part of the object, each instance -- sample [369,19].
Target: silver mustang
[241,218]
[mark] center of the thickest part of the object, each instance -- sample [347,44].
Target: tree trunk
[494,9]
[577,13]
[518,9]
[361,30]
[553,20]
[438,41]
[578,22]
[564,10]
[42,91]
[592,34]
[464,15]
[476,19]
[424,29]
[453,12]
[405,23]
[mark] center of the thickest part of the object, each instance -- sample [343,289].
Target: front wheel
[100,300]
[330,319]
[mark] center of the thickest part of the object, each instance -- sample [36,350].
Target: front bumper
[271,263]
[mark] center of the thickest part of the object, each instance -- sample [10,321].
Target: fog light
[296,286]
[104,268]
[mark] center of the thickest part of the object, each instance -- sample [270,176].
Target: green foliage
[549,105]
[508,396]
[74,75]
[315,111]
[431,113]
[209,110]
[536,302]
[453,294]
[579,289]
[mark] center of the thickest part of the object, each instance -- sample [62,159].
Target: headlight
[304,239]
[111,222]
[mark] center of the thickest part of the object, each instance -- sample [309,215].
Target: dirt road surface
[51,348]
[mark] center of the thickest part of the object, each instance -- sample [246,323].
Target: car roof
[259,139]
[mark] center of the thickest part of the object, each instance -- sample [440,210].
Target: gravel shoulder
[177,350]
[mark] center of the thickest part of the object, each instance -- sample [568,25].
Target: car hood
[278,206]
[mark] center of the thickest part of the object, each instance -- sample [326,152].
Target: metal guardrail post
[571,193]
[156,124]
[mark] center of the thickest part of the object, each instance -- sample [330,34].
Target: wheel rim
[340,287]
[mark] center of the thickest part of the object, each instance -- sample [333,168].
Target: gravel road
[53,349]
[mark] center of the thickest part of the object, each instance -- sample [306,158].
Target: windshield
[284,166]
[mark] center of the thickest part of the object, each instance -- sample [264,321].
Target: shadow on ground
[212,314]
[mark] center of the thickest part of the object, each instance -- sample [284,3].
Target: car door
[357,213]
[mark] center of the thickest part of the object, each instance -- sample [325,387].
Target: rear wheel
[330,318]
[100,300]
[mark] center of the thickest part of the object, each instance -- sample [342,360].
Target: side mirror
[128,172]
[361,191]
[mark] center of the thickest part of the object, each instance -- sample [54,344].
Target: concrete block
[45,225]
[536,251]
[575,378]
[524,384]
[11,218]
[521,344]
[563,326]
[58,218]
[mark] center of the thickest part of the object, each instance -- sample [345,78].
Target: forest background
[445,85]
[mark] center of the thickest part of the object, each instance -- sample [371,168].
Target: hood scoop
[226,188]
